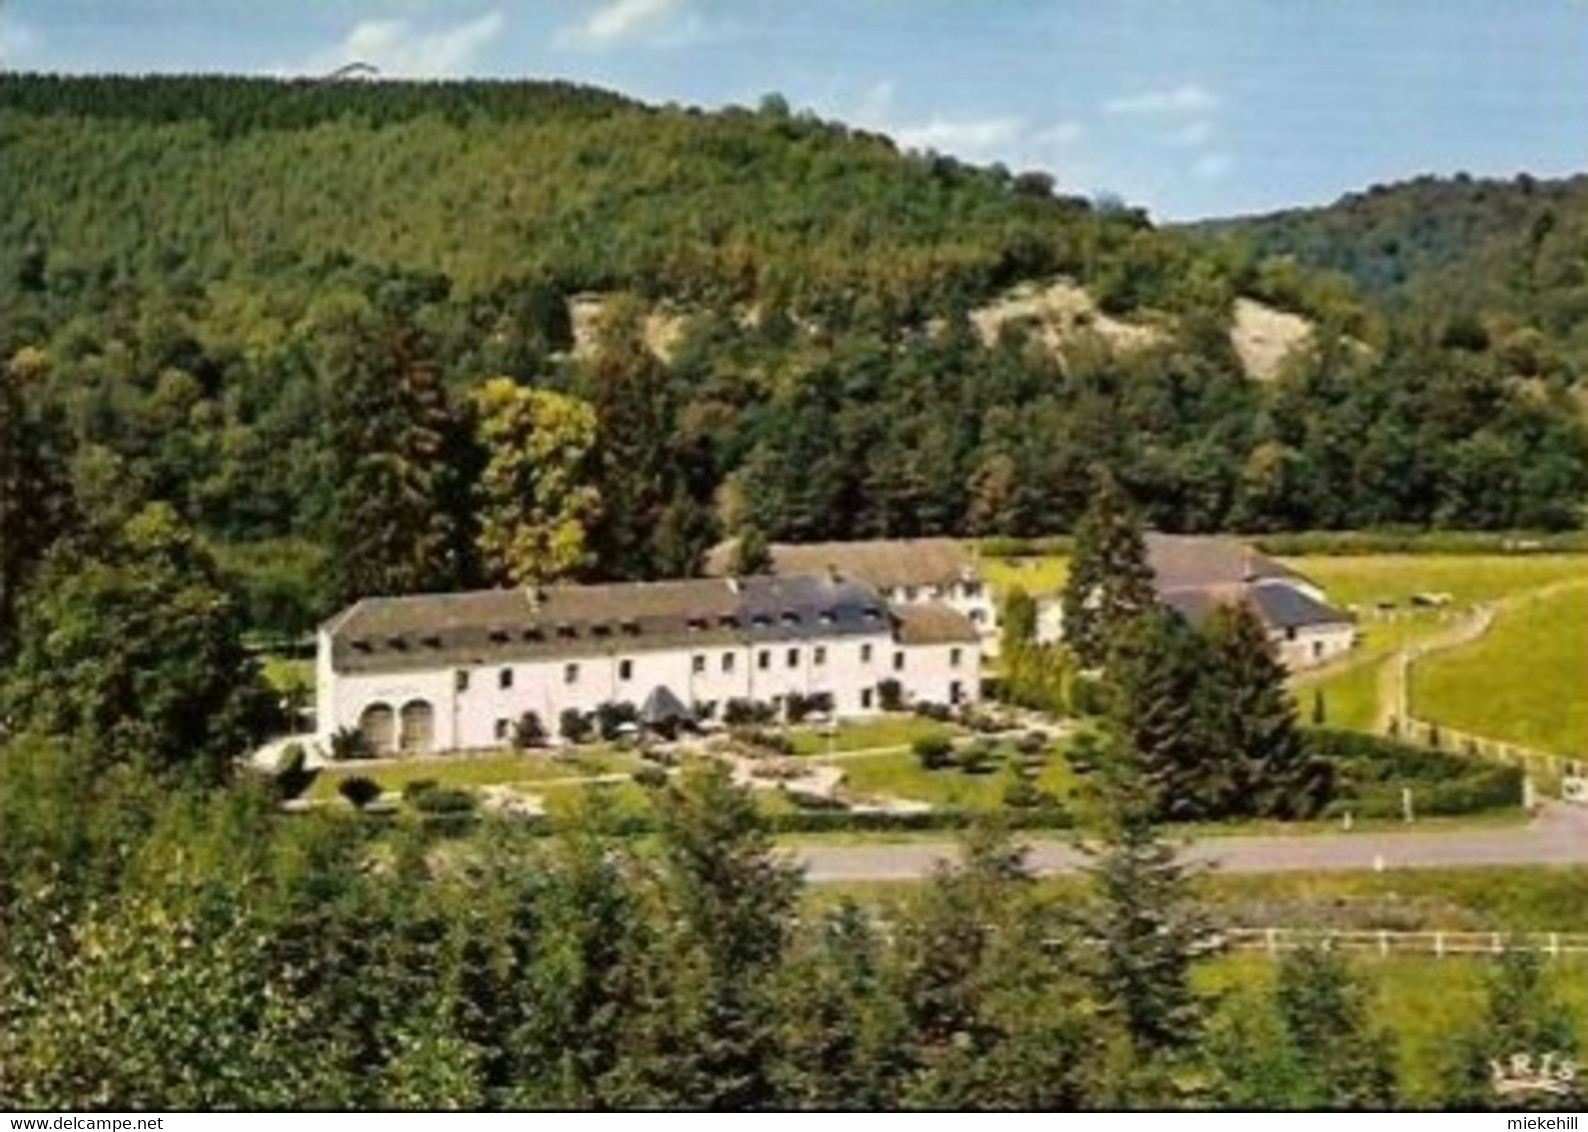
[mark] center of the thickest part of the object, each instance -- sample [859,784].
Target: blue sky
[1188,107]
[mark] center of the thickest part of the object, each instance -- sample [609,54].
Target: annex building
[440,672]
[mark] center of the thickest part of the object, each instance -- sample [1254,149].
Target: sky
[1189,108]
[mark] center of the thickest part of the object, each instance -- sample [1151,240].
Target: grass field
[1523,681]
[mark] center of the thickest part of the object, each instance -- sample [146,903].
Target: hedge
[1373,772]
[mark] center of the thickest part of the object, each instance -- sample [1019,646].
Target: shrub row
[1372,772]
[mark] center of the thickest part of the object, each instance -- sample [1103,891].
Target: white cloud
[1188,98]
[663,22]
[965,137]
[1211,166]
[399,48]
[1059,135]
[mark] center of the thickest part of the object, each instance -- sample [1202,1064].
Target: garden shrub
[359,790]
[933,752]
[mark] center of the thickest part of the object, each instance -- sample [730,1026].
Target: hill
[1459,251]
[223,293]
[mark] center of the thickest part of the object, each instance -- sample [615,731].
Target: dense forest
[280,309]
[1511,256]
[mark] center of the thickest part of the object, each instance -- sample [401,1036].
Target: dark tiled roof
[933,624]
[879,562]
[1183,562]
[495,626]
[1277,604]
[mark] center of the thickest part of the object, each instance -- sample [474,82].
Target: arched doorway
[418,720]
[378,725]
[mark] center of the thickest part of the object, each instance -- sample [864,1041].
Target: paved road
[1558,836]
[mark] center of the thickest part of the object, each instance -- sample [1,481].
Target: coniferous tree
[400,466]
[1146,934]
[1250,723]
[1154,697]
[1110,581]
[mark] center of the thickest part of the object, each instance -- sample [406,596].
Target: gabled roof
[1277,604]
[933,623]
[428,631]
[886,563]
[1182,562]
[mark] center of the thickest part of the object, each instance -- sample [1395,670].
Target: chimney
[733,583]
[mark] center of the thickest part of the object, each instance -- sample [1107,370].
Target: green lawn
[900,775]
[897,730]
[1361,581]
[481,770]
[1037,575]
[1523,681]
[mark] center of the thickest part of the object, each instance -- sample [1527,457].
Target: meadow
[1530,672]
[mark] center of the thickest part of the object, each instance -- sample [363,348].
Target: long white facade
[473,702]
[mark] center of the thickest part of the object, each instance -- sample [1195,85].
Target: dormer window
[600,629]
[791,618]
[533,634]
[696,624]
[827,617]
[566,631]
[760,621]
[431,642]
[360,645]
[728,621]
[398,643]
[499,636]
[631,627]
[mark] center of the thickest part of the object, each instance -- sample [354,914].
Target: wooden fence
[1273,941]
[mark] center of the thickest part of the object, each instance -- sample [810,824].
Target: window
[819,655]
[977,616]
[570,674]
[898,662]
[625,670]
[955,693]
[501,730]
[698,664]
[865,654]
[972,589]
[504,678]
[460,680]
[764,659]
[1290,632]
[727,662]
[793,658]
[909,593]
[865,699]
[953,658]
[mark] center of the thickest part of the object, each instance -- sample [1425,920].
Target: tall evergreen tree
[1146,933]
[399,465]
[1155,688]
[1110,581]
[627,386]
[1249,722]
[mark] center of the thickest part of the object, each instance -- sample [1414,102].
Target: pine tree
[1350,1062]
[1146,934]
[1250,723]
[1110,581]
[1154,696]
[400,467]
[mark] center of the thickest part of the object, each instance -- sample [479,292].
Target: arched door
[378,725]
[418,727]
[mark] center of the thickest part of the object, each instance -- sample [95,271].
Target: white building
[458,671]
[1193,574]
[904,571]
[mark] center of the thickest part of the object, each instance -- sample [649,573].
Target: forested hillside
[1511,256]
[277,307]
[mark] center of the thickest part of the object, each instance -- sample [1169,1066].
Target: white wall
[1314,645]
[972,597]
[468,717]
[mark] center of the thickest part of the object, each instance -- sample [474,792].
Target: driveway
[1557,836]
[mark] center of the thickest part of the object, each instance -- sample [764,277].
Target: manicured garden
[479,770]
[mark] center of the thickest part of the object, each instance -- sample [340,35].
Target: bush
[1032,743]
[293,777]
[574,726]
[1088,696]
[934,752]
[446,810]
[650,777]
[976,758]
[611,716]
[1373,771]
[350,743]
[359,790]
[771,742]
[528,732]
[418,787]
[799,706]
[942,713]
[740,712]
